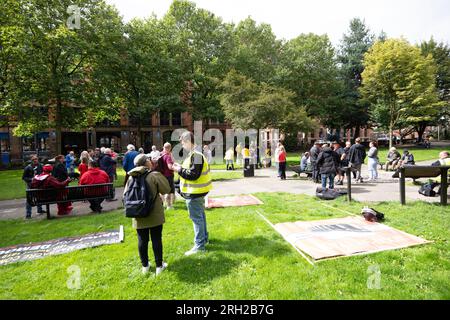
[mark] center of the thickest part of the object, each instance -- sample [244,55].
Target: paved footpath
[265,180]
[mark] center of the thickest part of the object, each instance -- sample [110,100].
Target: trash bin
[249,169]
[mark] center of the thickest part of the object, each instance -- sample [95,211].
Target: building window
[176,119]
[164,118]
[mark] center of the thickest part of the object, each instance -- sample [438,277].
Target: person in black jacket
[60,173]
[30,171]
[357,155]
[327,165]
[108,164]
[313,154]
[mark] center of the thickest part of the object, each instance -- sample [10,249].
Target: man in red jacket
[45,180]
[95,176]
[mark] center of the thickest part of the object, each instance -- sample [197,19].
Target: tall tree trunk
[421,130]
[390,135]
[58,126]
[357,129]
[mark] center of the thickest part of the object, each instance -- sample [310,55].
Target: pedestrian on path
[373,161]
[229,159]
[313,155]
[33,169]
[357,155]
[282,163]
[327,165]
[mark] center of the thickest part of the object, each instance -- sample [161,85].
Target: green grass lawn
[246,259]
[12,186]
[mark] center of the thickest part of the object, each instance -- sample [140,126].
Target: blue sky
[416,20]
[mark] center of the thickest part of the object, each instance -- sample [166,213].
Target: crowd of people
[328,161]
[99,166]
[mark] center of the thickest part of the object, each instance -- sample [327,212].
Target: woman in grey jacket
[373,161]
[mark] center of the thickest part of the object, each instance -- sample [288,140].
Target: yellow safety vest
[200,186]
[445,162]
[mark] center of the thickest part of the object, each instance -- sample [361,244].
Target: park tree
[206,44]
[255,50]
[397,80]
[441,56]
[55,56]
[354,44]
[147,71]
[251,105]
[308,68]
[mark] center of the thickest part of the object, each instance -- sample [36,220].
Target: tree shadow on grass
[218,261]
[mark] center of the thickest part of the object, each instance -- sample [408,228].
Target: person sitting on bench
[304,162]
[407,159]
[45,180]
[393,158]
[94,176]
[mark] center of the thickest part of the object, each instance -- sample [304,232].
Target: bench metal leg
[349,184]
[402,186]
[444,186]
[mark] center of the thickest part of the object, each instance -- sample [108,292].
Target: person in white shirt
[155,154]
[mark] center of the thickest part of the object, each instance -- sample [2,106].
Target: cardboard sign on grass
[234,201]
[33,251]
[341,237]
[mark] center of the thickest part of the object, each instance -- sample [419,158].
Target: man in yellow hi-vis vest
[195,183]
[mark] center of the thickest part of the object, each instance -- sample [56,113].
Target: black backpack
[427,189]
[137,199]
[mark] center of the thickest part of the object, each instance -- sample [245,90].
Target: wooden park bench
[297,170]
[47,197]
[416,172]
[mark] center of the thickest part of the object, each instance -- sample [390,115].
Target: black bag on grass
[327,194]
[427,189]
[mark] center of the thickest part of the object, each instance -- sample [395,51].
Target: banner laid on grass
[341,237]
[32,251]
[234,201]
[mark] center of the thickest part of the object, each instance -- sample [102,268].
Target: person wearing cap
[406,159]
[45,180]
[94,176]
[152,225]
[313,155]
[30,171]
[195,184]
[392,159]
[128,161]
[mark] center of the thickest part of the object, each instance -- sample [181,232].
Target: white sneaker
[193,251]
[161,269]
[146,269]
